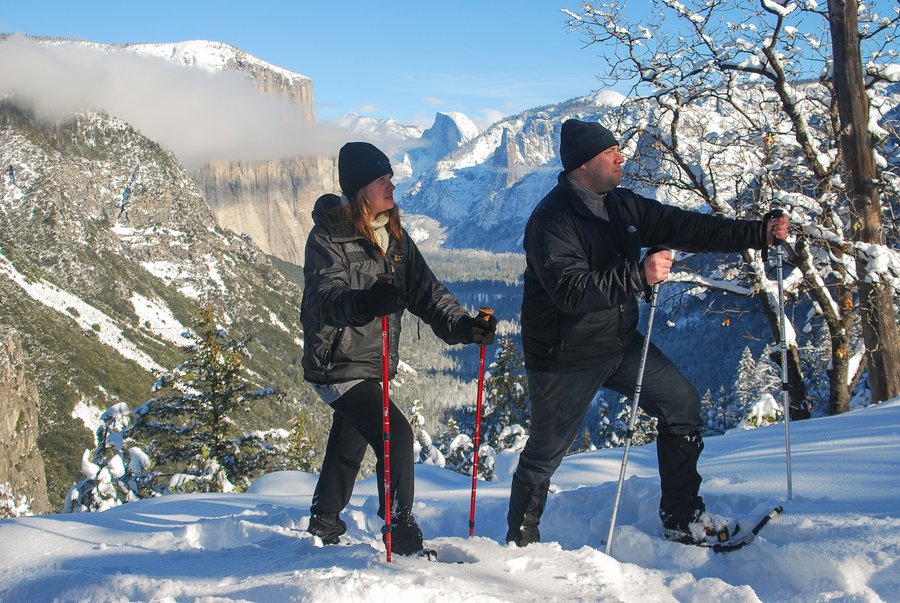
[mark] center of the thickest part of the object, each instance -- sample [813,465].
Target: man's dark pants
[559,403]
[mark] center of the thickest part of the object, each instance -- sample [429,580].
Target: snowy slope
[837,540]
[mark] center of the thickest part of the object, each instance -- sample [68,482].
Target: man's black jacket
[583,272]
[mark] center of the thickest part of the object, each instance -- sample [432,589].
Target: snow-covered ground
[838,540]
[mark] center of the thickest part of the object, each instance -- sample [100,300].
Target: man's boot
[526,505]
[680,504]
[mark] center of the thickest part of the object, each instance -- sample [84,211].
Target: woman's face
[380,194]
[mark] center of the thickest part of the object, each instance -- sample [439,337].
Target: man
[579,317]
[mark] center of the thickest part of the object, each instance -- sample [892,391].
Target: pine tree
[644,426]
[191,429]
[11,504]
[301,454]
[505,397]
[754,379]
[424,450]
[111,477]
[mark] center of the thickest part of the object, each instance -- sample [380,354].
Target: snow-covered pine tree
[644,426]
[754,379]
[113,475]
[505,397]
[424,450]
[712,412]
[192,430]
[12,504]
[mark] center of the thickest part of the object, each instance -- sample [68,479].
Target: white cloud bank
[197,114]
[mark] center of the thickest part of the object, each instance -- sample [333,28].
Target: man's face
[603,172]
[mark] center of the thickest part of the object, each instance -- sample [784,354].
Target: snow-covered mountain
[485,189]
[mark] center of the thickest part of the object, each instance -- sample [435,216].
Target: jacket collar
[577,205]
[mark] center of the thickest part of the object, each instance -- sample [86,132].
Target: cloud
[199,115]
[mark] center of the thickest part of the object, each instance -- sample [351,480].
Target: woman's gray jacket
[342,340]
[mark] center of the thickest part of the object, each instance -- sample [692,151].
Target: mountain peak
[450,131]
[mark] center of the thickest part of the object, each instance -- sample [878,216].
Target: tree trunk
[879,322]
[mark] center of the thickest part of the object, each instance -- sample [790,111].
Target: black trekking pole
[785,397]
[654,293]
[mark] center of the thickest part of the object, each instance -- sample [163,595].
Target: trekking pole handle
[484,313]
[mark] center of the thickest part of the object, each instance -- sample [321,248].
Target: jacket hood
[329,213]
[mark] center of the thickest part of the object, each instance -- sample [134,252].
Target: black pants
[357,423]
[559,403]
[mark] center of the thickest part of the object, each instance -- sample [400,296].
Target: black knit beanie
[580,141]
[359,163]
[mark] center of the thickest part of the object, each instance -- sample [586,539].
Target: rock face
[271,201]
[21,463]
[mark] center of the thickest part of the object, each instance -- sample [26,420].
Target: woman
[356,237]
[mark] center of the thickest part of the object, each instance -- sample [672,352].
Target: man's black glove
[382,299]
[480,330]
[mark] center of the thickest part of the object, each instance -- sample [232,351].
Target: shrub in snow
[765,411]
[12,505]
[112,474]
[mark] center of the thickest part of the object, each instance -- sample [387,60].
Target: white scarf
[381,233]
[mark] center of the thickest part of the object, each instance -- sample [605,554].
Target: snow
[89,318]
[158,318]
[837,540]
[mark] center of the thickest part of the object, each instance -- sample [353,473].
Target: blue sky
[396,58]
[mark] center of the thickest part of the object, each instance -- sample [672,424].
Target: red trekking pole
[386,410]
[483,314]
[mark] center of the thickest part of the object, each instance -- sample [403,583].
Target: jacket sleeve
[326,282]
[691,231]
[428,299]
[560,262]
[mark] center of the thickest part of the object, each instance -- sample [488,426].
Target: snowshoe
[706,529]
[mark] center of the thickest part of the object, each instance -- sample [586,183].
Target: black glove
[382,299]
[479,330]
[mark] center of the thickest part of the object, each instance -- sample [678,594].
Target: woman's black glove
[381,299]
[479,330]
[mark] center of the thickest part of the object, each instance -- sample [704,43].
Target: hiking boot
[327,526]
[524,536]
[526,505]
[406,536]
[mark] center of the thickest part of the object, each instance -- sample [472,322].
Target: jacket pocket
[330,349]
